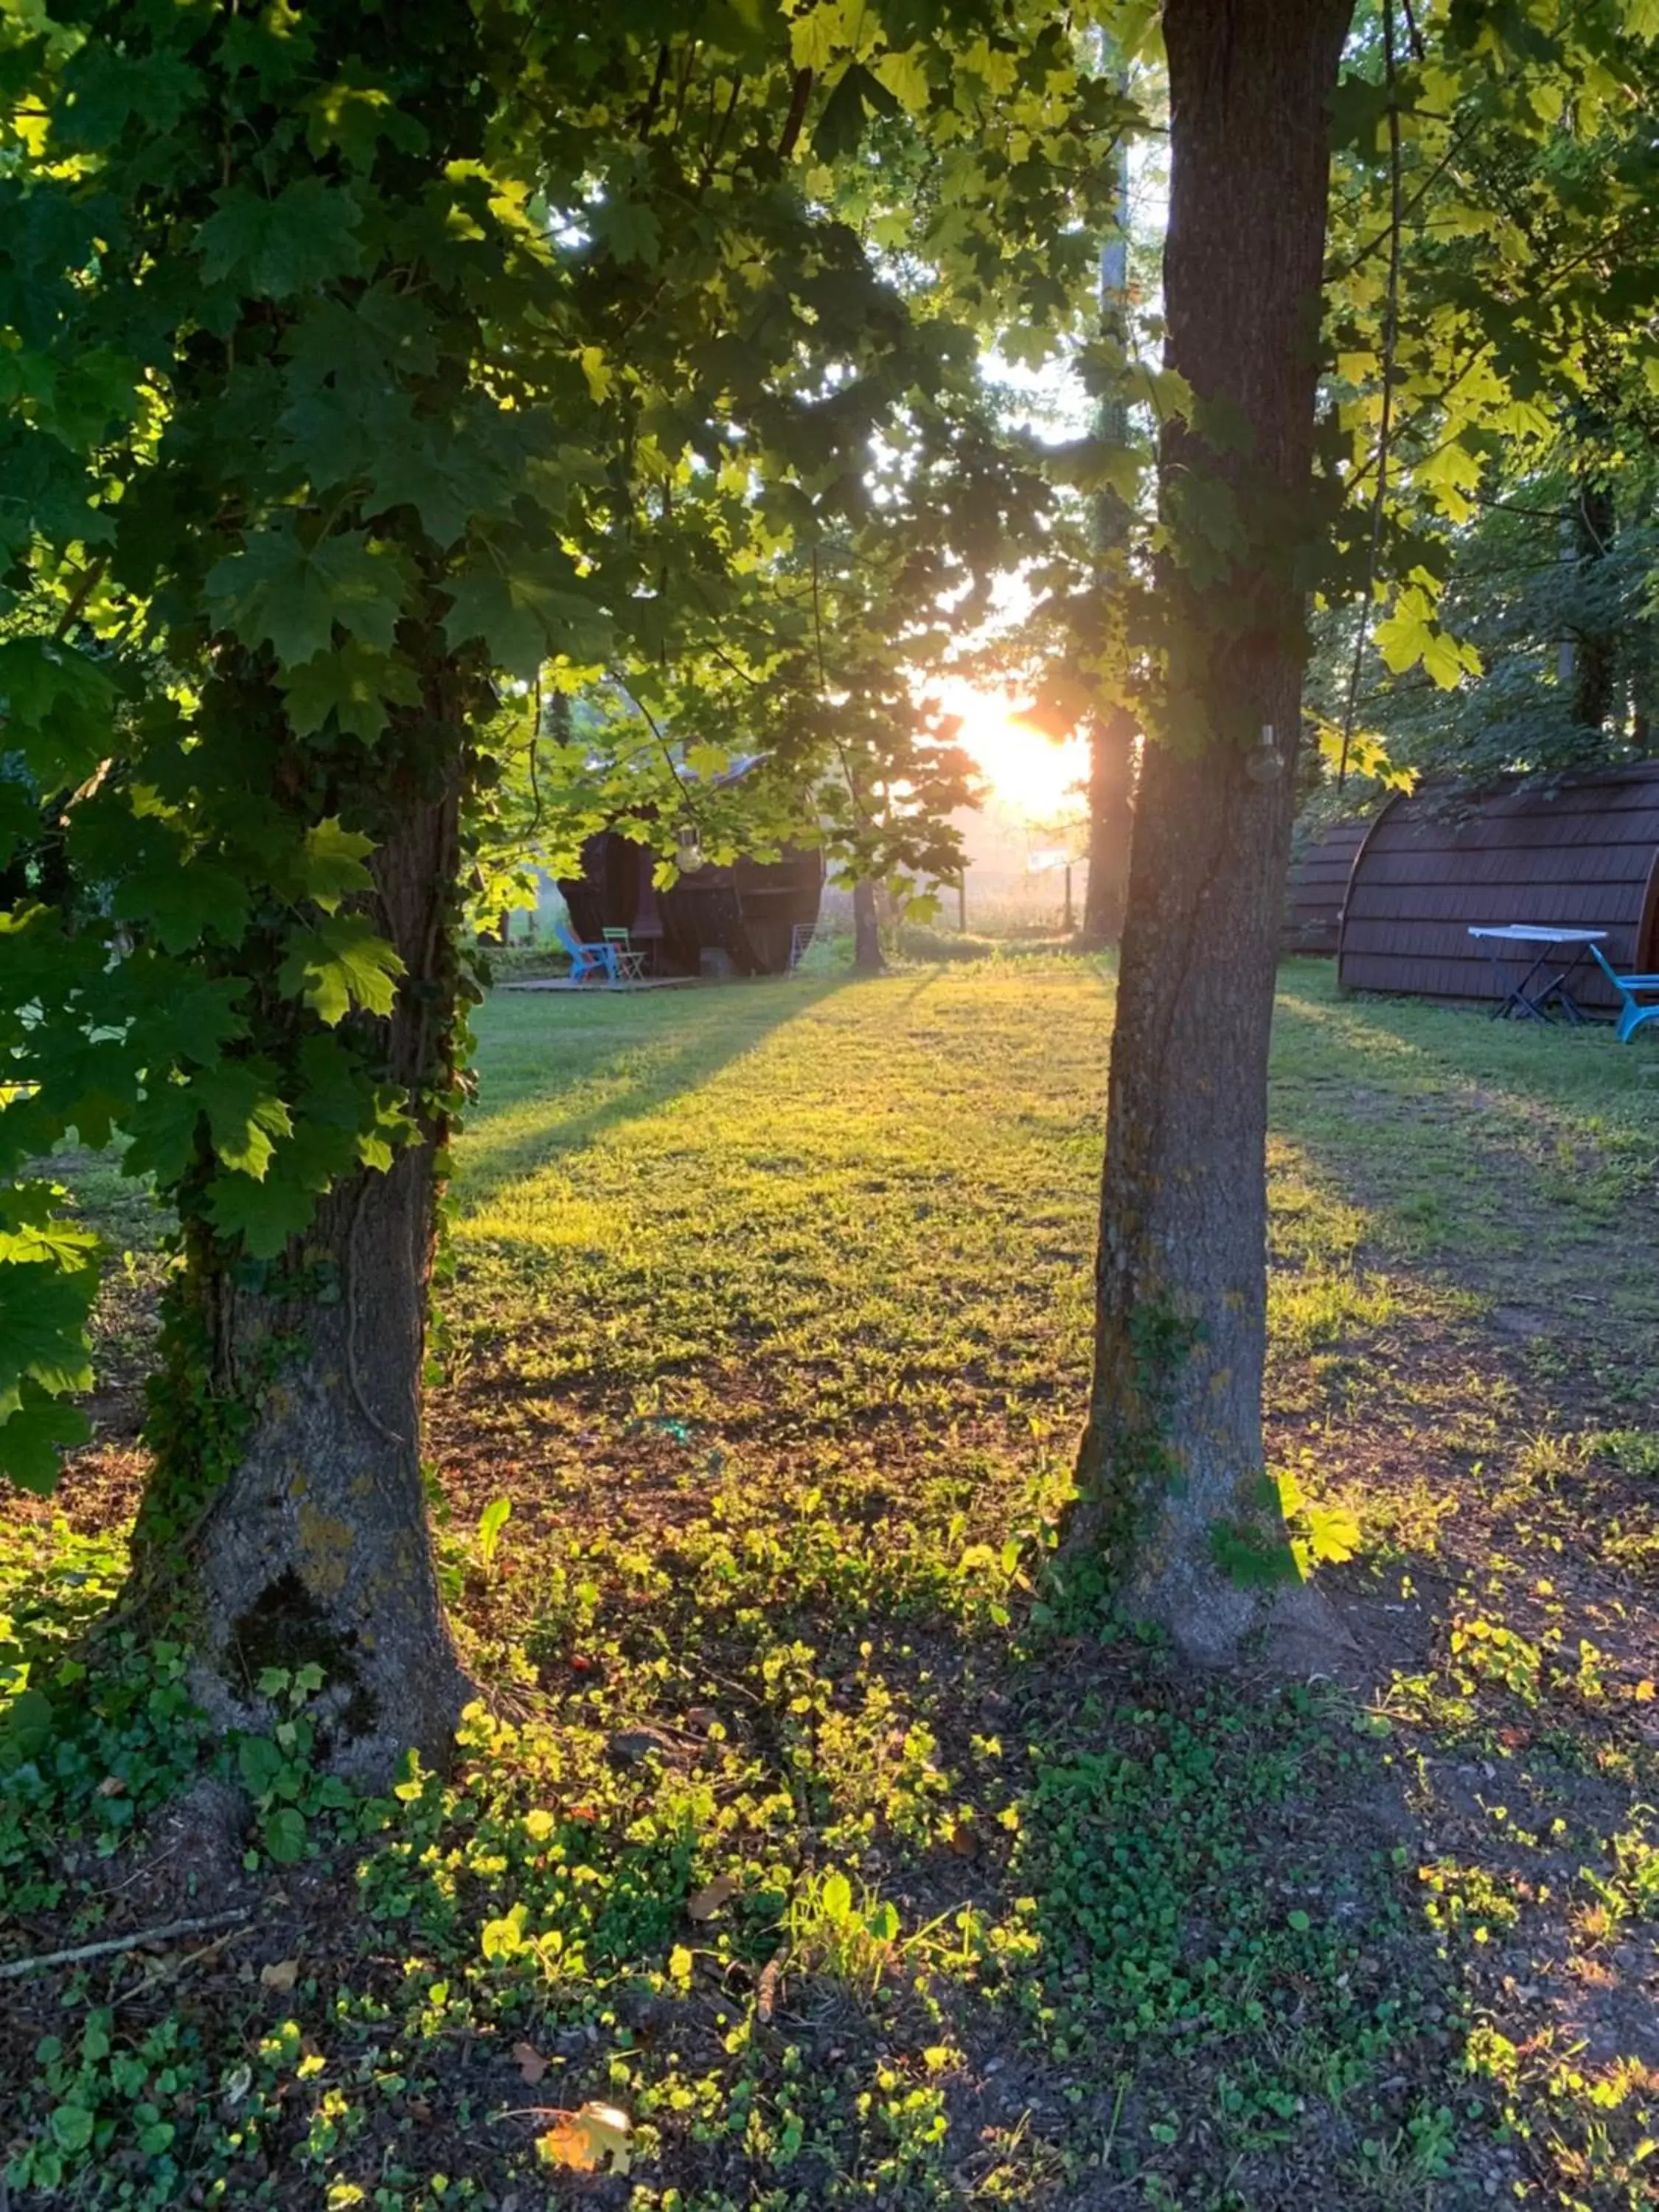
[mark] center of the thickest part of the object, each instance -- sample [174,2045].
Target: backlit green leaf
[332,867]
[34,1436]
[344,963]
[43,1319]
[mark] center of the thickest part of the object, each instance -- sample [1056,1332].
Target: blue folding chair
[1631,990]
[586,960]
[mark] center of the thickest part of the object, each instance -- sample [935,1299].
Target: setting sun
[1028,774]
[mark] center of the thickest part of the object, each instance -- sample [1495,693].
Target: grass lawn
[796,1825]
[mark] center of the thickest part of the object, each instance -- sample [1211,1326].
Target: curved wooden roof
[1583,852]
[1318,887]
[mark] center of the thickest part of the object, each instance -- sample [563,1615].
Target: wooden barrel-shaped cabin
[1582,852]
[1319,886]
[746,914]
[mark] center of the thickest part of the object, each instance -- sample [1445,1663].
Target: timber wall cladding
[1584,853]
[1319,885]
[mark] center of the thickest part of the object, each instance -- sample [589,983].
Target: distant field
[804,1832]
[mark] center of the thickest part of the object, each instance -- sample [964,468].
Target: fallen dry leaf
[280,1975]
[582,2141]
[708,1900]
[767,1991]
[111,1786]
[529,2062]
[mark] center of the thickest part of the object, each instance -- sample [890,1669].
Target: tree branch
[800,92]
[1390,339]
[15,1969]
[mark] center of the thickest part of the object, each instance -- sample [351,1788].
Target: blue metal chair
[586,960]
[1631,990]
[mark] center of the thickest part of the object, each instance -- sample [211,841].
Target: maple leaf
[58,707]
[630,231]
[342,962]
[244,1116]
[905,76]
[335,432]
[104,87]
[447,480]
[278,591]
[264,1214]
[183,901]
[354,115]
[383,329]
[353,682]
[522,619]
[43,1312]
[34,1434]
[274,248]
[583,2141]
[333,865]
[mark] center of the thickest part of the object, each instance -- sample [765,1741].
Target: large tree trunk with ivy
[285,1522]
[1172,1489]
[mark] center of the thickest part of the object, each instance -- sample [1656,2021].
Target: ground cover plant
[808,1848]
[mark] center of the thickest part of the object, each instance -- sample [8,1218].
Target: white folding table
[1528,999]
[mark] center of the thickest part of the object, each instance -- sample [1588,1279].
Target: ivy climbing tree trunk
[285,1521]
[1172,1489]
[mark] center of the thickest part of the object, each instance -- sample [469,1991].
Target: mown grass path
[798,1827]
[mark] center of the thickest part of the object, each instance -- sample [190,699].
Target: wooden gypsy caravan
[1581,852]
[1319,885]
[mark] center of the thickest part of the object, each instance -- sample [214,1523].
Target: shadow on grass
[563,1070]
[1504,1145]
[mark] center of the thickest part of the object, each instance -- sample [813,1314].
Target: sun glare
[1029,775]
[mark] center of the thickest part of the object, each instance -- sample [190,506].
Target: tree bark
[1111,777]
[1111,733]
[867,928]
[285,1521]
[1595,662]
[1171,1487]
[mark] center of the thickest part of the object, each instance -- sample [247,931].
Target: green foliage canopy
[361,359]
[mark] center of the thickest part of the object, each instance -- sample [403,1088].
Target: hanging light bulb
[1266,763]
[688,849]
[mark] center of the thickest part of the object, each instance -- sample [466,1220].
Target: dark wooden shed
[1319,885]
[747,913]
[1583,852]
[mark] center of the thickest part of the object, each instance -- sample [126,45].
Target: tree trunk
[1596,660]
[1112,734]
[285,1521]
[1111,777]
[1172,1490]
[867,928]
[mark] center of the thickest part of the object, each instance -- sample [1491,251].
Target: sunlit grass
[795,1826]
